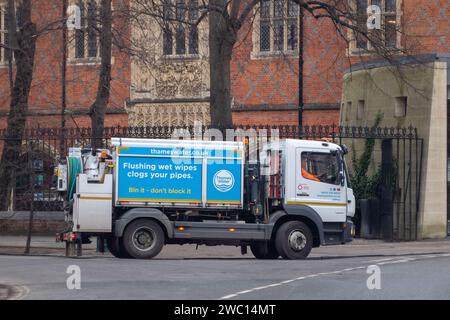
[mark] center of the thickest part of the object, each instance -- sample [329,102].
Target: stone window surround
[256,53]
[353,50]
[88,61]
[3,32]
[187,30]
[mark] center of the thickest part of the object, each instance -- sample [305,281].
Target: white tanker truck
[143,194]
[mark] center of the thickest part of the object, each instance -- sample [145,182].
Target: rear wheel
[264,250]
[143,239]
[115,246]
[294,240]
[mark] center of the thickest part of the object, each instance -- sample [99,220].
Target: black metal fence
[397,155]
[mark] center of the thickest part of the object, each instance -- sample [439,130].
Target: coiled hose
[74,168]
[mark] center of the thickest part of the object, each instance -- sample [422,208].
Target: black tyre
[115,246]
[294,240]
[143,239]
[263,250]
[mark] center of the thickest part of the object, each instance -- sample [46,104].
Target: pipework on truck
[143,194]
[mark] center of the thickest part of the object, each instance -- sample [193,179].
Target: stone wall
[45,223]
[380,89]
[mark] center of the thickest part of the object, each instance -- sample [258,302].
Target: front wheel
[143,239]
[294,240]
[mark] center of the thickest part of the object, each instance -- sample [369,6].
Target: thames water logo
[223,181]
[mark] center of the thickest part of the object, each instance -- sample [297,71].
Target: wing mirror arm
[342,179]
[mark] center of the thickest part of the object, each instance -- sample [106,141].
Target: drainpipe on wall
[63,72]
[300,66]
[64,64]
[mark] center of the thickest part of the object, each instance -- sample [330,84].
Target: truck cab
[314,184]
[292,196]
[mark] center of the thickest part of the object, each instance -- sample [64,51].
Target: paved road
[411,275]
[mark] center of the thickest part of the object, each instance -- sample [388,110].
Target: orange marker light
[232,230]
[181,228]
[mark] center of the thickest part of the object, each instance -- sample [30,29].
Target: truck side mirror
[344,149]
[342,178]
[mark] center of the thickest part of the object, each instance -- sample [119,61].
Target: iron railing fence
[165,132]
[398,152]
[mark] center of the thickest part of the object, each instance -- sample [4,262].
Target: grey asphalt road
[403,276]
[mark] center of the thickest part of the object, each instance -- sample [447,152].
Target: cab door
[319,183]
[351,201]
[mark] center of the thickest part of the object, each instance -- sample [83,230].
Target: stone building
[170,86]
[413,90]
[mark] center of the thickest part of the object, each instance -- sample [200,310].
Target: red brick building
[82,74]
[265,77]
[265,68]
[264,65]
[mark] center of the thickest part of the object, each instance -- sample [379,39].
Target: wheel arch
[308,217]
[143,213]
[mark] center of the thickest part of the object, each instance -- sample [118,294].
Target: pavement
[46,245]
[408,270]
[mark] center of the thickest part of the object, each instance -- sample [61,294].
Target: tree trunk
[24,62]
[222,38]
[31,197]
[98,108]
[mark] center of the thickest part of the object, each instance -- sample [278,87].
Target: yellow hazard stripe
[331,204]
[96,198]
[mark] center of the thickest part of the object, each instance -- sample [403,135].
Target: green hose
[74,168]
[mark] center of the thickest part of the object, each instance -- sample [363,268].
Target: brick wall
[274,82]
[426,26]
[44,223]
[287,117]
[82,80]
[80,121]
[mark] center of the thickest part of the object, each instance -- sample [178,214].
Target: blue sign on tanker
[165,175]
[143,179]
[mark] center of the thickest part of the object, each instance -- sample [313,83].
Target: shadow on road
[317,258]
